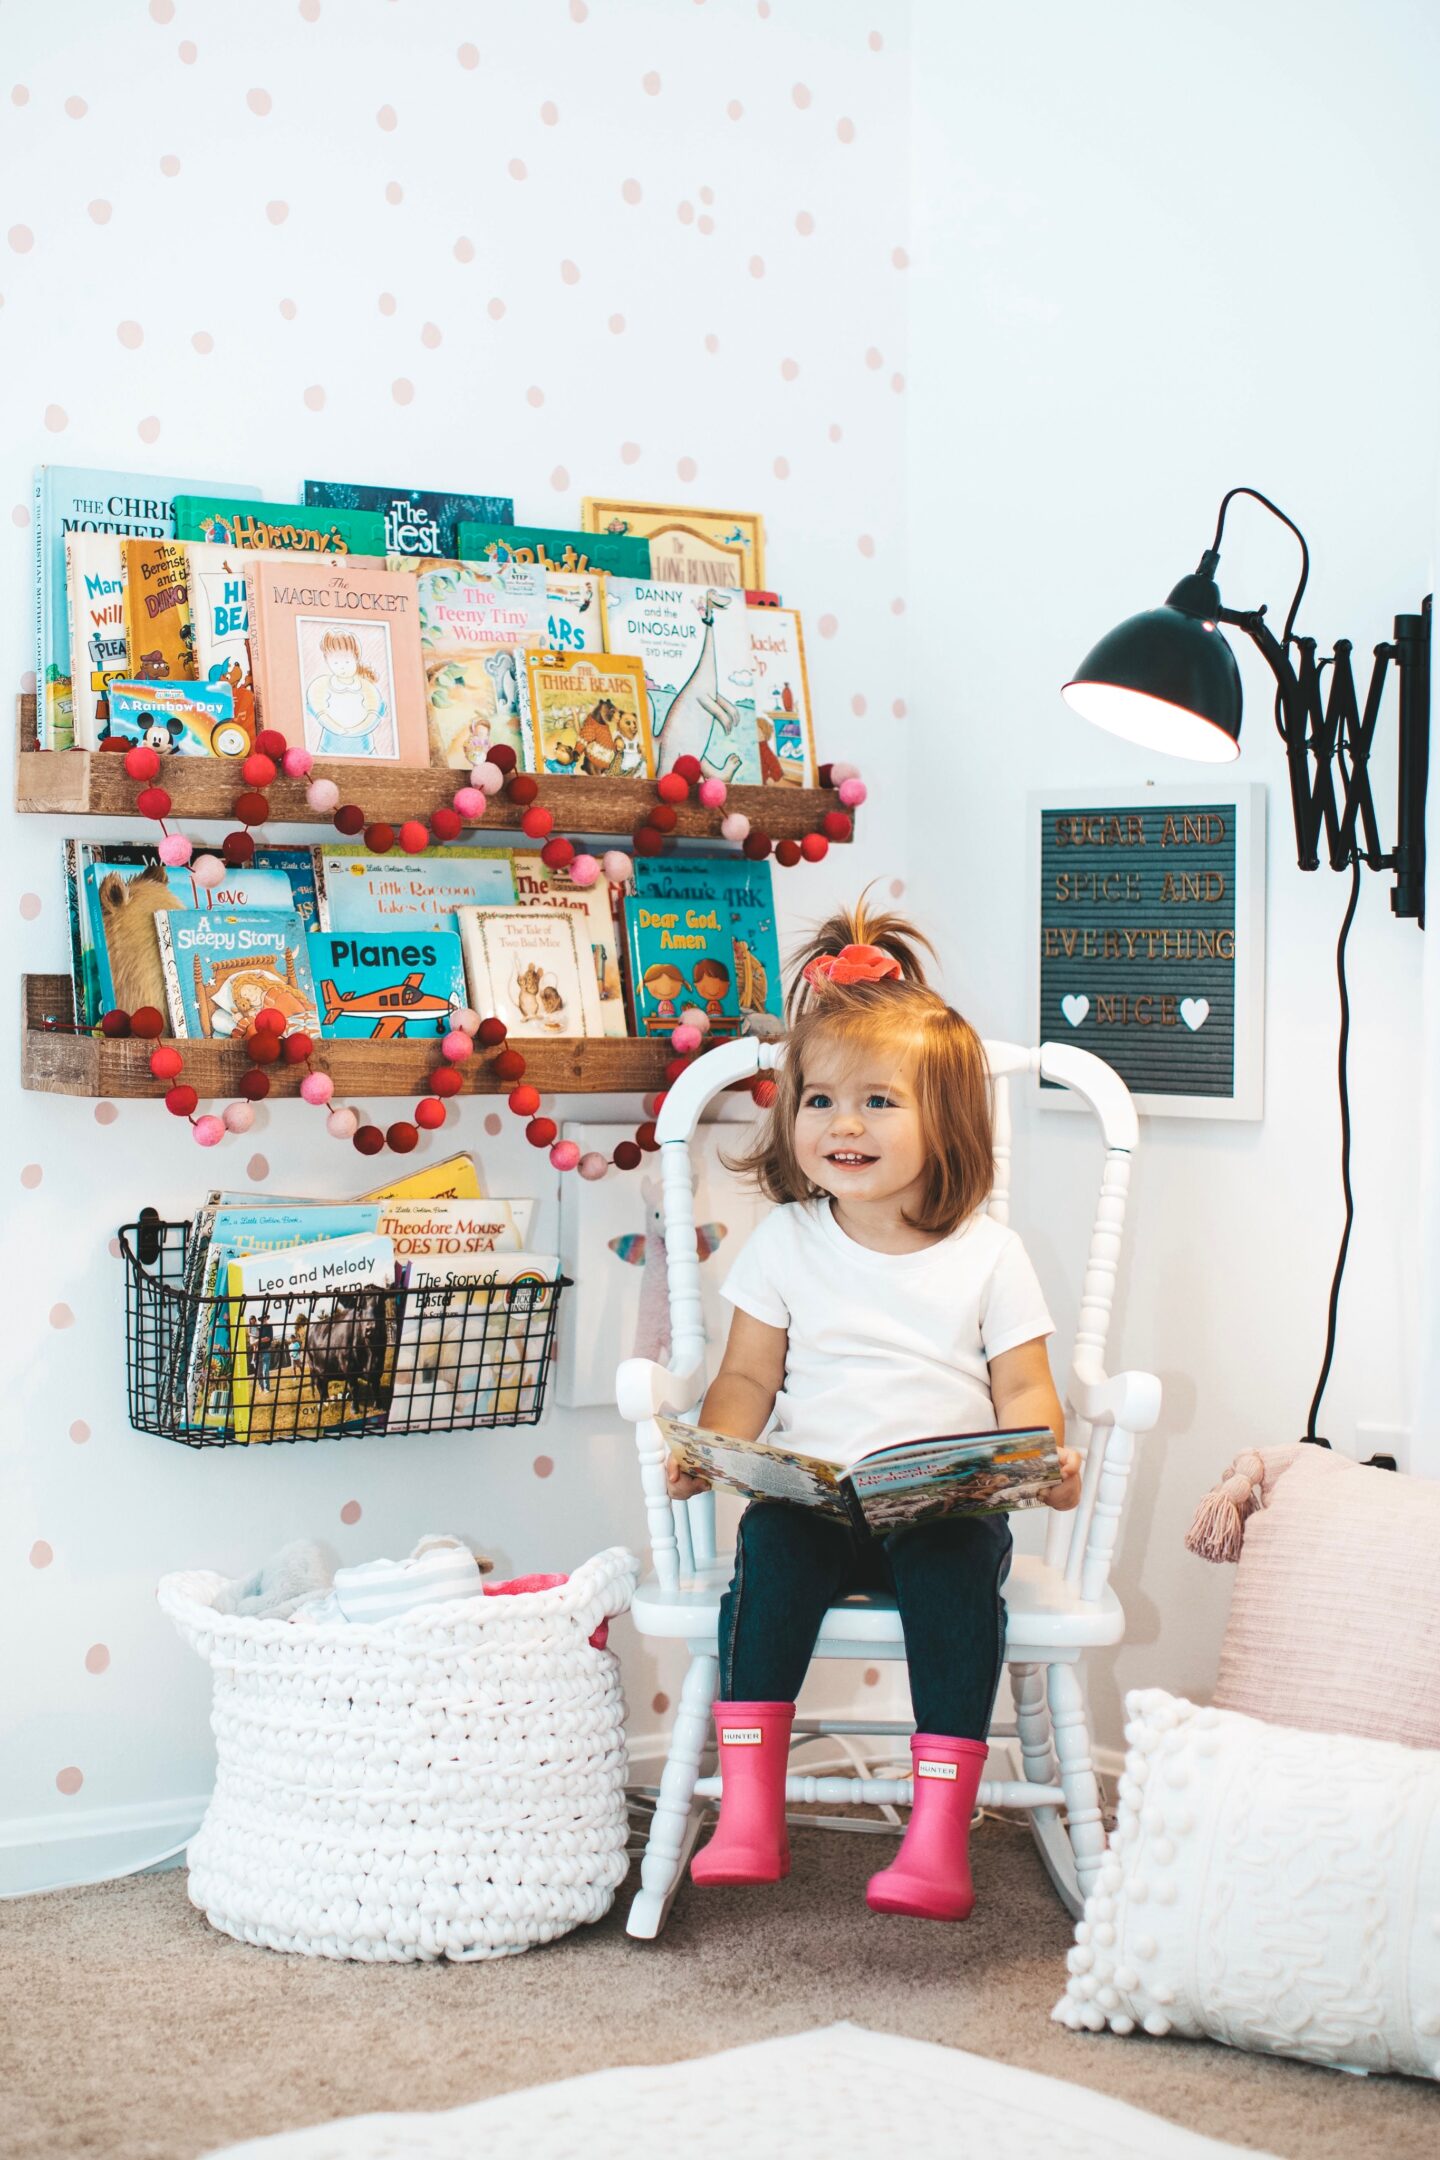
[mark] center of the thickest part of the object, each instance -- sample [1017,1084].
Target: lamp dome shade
[1166,678]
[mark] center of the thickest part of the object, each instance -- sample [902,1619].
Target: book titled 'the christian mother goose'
[987,1473]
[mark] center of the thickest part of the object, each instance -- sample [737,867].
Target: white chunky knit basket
[449,1784]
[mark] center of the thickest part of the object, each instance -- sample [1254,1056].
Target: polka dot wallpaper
[567,247]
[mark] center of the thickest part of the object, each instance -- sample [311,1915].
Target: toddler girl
[877,1302]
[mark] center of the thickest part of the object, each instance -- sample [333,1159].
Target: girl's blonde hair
[903,1015]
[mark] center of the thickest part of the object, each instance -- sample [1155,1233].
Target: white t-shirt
[885,1346]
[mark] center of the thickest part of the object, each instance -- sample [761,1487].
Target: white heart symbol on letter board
[1194,1012]
[1074,1008]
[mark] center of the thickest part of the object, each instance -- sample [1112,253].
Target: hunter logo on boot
[936,1769]
[746,1736]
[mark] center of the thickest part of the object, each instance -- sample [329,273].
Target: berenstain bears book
[528,968]
[178,719]
[700,930]
[477,621]
[589,714]
[158,630]
[336,652]
[417,521]
[283,526]
[699,672]
[782,696]
[554,549]
[385,985]
[221,971]
[538,886]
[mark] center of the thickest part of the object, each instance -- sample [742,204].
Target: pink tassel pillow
[1335,1622]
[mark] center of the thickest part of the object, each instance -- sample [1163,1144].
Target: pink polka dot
[149,429]
[900,258]
[41,1554]
[31,1176]
[789,369]
[866,543]
[570,272]
[686,468]
[897,607]
[76,107]
[616,325]
[463,250]
[897,888]
[189,51]
[804,224]
[27,681]
[130,334]
[874,358]
[631,190]
[61,1316]
[578,11]
[29,906]
[857,705]
[712,343]
[685,211]
[351,1512]
[875,41]
[781,468]
[516,168]
[827,626]
[535,395]
[704,224]
[162,11]
[629,452]
[97,1658]
[106,1113]
[21,239]
[550,113]
[259,102]
[310,9]
[99,211]
[845,129]
[707,194]
[560,479]
[897,384]
[203,342]
[468,56]
[402,390]
[493,1125]
[114,1248]
[430,336]
[495,309]
[542,1466]
[19,95]
[757,266]
[394,193]
[257,1169]
[650,84]
[386,118]
[287,309]
[386,303]
[834,431]
[800,96]
[277,212]
[734,110]
[660,1703]
[762,9]
[69,1781]
[169,165]
[79,1432]
[871,1676]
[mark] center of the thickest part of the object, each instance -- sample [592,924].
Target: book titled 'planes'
[386,987]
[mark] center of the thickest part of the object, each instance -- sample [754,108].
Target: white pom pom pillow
[1274,1889]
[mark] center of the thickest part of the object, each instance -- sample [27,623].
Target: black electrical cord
[1344,1079]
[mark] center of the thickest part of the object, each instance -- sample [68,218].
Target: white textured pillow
[1274,1889]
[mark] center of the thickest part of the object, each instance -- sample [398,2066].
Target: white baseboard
[45,1852]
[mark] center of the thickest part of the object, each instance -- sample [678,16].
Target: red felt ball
[490,1032]
[269,1021]
[542,1132]
[350,819]
[297,1048]
[787,852]
[446,824]
[379,837]
[688,768]
[756,845]
[674,1069]
[148,1021]
[252,808]
[645,1136]
[238,849]
[826,776]
[181,1100]
[271,743]
[524,1101]
[648,841]
[255,1085]
[367,1139]
[445,1080]
[836,826]
[260,1048]
[402,1138]
[115,1024]
[164,1064]
[538,822]
[764,1091]
[657,1102]
[414,837]
[522,787]
[558,853]
[662,817]
[626,1156]
[429,1112]
[153,802]
[141,762]
[509,1065]
[502,757]
[673,787]
[814,847]
[258,769]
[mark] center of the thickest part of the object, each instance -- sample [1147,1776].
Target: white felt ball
[239,1116]
[736,826]
[341,1124]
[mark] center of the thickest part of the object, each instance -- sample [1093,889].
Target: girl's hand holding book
[1066,1494]
[684,1487]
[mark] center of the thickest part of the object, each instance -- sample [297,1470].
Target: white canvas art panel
[613,1252]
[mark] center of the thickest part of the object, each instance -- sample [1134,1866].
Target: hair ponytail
[885,933]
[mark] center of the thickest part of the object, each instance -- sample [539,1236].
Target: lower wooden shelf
[57,1061]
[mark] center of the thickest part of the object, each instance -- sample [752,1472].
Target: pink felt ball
[457,1046]
[692,1017]
[584,870]
[712,793]
[469,802]
[592,1165]
[209,1131]
[239,1116]
[843,772]
[208,870]
[564,1155]
[317,1087]
[736,826]
[618,866]
[322,795]
[487,777]
[685,1039]
[176,850]
[342,1124]
[296,763]
[852,792]
[466,1020]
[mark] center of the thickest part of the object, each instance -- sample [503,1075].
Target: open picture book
[909,1481]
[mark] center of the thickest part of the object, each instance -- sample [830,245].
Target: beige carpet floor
[130,2030]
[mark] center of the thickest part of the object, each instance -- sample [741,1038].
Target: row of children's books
[344,943]
[399,627]
[413,1307]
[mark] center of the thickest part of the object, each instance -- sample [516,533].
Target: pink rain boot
[751,1844]
[929,1878]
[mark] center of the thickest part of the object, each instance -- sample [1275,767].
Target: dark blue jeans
[793,1563]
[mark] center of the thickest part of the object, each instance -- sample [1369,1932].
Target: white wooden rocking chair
[1059,1606]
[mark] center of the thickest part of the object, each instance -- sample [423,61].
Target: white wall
[768,235]
[1161,249]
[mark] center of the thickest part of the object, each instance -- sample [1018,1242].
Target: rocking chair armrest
[1127,1399]
[646,1390]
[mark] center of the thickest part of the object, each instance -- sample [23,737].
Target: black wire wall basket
[218,1370]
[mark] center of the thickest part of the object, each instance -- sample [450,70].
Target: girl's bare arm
[742,1395]
[1024,1394]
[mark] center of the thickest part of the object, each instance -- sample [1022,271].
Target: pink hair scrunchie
[852,964]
